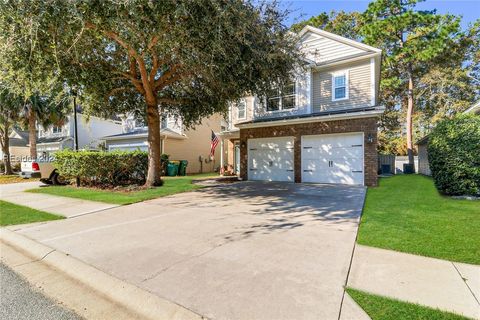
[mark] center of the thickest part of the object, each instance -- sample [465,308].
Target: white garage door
[270,159]
[333,158]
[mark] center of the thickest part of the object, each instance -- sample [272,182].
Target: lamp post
[75,129]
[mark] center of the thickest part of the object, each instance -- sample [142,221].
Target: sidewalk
[448,286]
[68,207]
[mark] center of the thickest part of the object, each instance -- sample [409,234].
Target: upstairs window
[242,109]
[164,123]
[340,86]
[57,129]
[282,98]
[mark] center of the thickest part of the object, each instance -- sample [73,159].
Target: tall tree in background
[43,110]
[472,61]
[186,58]
[29,63]
[10,110]
[345,24]
[411,40]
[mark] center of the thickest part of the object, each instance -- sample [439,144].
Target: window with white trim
[242,109]
[282,99]
[340,86]
[57,129]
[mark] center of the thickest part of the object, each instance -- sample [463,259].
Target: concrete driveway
[240,251]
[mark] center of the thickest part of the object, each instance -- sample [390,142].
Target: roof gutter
[329,64]
[53,142]
[333,117]
[126,137]
[144,135]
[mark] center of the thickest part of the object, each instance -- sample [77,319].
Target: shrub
[454,155]
[17,167]
[101,168]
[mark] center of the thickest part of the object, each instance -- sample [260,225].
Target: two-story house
[90,133]
[192,145]
[321,128]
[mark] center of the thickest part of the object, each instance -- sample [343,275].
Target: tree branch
[153,72]
[153,42]
[117,90]
[169,77]
[115,37]
[136,82]
[133,67]
[171,101]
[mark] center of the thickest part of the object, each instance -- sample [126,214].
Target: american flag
[213,144]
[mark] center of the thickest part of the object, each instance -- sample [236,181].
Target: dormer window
[242,109]
[282,99]
[340,86]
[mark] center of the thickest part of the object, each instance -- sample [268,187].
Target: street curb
[132,298]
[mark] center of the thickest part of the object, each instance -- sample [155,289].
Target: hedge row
[103,169]
[454,155]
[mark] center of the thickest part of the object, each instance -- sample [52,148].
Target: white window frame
[244,102]
[280,97]
[337,74]
[59,131]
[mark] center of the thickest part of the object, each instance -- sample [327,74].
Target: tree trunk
[410,120]
[154,150]
[6,150]
[32,133]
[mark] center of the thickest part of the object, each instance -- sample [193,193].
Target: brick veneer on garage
[366,125]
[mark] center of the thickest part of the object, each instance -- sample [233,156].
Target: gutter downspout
[221,157]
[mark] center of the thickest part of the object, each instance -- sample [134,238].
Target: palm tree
[45,111]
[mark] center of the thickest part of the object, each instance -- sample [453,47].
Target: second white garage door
[333,158]
[270,159]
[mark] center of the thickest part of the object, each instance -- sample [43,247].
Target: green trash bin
[172,169]
[182,168]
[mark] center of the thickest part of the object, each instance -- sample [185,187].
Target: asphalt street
[19,300]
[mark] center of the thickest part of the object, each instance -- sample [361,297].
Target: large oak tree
[187,59]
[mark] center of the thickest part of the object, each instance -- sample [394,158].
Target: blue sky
[303,9]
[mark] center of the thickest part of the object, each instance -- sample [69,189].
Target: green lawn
[406,213]
[382,308]
[14,214]
[171,186]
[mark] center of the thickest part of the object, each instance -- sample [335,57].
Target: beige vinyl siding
[321,49]
[249,111]
[197,144]
[359,88]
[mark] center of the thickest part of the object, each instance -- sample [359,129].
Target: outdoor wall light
[370,138]
[243,144]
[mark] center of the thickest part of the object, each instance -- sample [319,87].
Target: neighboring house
[422,144]
[321,128]
[90,133]
[192,145]
[18,146]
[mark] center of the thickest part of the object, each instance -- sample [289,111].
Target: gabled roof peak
[338,38]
